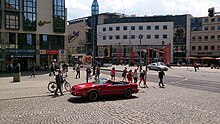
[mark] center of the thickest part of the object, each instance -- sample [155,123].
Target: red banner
[52,52]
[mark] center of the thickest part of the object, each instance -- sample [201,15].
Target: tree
[106,52]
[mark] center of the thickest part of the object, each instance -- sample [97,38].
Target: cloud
[82,8]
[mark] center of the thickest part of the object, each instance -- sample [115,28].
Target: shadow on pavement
[24,73]
[101,99]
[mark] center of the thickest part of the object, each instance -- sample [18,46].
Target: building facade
[205,38]
[32,32]
[126,36]
[181,31]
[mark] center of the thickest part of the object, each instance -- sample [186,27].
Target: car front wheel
[93,95]
[128,93]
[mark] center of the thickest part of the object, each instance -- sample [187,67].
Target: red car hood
[84,85]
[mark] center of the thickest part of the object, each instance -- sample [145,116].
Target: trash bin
[17,73]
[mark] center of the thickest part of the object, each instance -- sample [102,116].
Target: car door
[110,88]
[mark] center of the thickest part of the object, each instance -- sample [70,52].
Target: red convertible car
[104,87]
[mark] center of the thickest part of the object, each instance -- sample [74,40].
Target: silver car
[157,66]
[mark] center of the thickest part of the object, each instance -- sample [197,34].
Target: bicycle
[52,86]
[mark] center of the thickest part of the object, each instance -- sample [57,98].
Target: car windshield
[100,81]
[160,63]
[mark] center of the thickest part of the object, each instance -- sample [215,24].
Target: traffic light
[211,12]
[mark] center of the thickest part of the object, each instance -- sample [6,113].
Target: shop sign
[43,52]
[73,36]
[52,52]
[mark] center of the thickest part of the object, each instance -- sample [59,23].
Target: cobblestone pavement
[29,102]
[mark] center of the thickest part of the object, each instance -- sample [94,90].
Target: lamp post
[93,47]
[140,37]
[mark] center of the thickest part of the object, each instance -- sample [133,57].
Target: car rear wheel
[128,93]
[93,95]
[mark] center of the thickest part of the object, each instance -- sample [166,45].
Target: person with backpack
[124,73]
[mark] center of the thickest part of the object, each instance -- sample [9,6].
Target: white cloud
[82,8]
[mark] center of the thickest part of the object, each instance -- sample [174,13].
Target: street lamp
[140,37]
[93,48]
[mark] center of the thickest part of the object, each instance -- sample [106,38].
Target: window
[165,27]
[193,48]
[212,19]
[213,37]
[110,37]
[206,38]
[132,27]
[193,38]
[218,37]
[11,20]
[110,28]
[104,29]
[156,36]
[156,27]
[148,36]
[199,48]
[132,36]
[206,20]
[44,42]
[199,38]
[199,20]
[218,19]
[148,27]
[117,37]
[12,5]
[104,37]
[26,41]
[206,48]
[59,15]
[212,27]
[12,38]
[206,28]
[125,28]
[29,15]
[212,48]
[57,42]
[117,28]
[125,37]
[218,27]
[165,36]
[140,27]
[218,47]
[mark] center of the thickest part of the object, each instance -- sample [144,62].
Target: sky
[197,8]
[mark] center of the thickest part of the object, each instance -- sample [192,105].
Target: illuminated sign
[42,23]
[73,36]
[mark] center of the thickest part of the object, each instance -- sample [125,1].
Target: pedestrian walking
[161,74]
[129,76]
[97,72]
[52,68]
[59,82]
[33,71]
[124,73]
[78,71]
[135,76]
[113,74]
[88,74]
[195,66]
[142,78]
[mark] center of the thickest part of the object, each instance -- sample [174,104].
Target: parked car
[157,66]
[103,87]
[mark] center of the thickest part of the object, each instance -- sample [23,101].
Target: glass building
[31,32]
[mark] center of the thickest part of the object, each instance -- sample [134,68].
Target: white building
[126,35]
